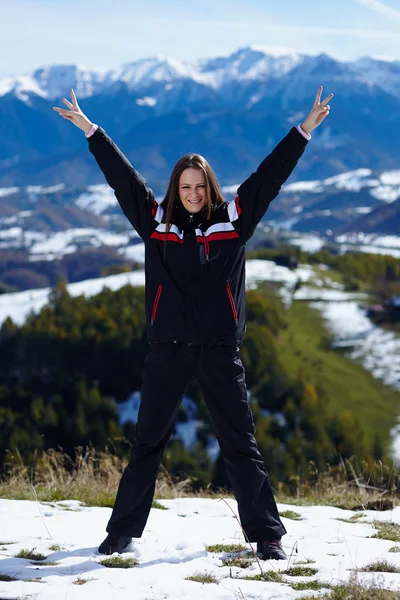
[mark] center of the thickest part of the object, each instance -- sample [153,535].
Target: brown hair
[213,192]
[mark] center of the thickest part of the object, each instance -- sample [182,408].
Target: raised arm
[258,191]
[135,199]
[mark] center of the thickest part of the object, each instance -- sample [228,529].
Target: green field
[304,345]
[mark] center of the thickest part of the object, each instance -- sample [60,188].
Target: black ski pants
[168,369]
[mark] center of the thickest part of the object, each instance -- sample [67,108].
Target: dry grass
[202,578]
[266,576]
[349,486]
[92,477]
[290,514]
[355,591]
[380,566]
[228,548]
[31,555]
[301,571]
[117,562]
[242,562]
[387,531]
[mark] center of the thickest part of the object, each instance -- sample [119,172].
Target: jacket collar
[187,220]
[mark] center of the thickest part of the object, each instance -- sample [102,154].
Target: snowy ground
[174,547]
[20,304]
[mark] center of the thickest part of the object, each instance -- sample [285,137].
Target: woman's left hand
[318,113]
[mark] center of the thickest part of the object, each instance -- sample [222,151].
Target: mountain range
[231,109]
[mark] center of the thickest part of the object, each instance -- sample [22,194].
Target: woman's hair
[213,193]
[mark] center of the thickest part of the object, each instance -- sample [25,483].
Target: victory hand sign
[319,112]
[74,114]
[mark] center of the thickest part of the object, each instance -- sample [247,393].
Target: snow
[58,244]
[362,210]
[135,252]
[40,189]
[173,547]
[352,180]
[386,188]
[386,193]
[11,233]
[266,270]
[146,101]
[313,187]
[97,199]
[286,224]
[230,189]
[8,191]
[390,177]
[370,243]
[378,350]
[22,85]
[20,304]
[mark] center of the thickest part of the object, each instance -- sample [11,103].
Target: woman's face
[192,189]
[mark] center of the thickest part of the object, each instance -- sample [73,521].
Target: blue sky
[111,32]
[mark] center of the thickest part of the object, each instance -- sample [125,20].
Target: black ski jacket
[195,290]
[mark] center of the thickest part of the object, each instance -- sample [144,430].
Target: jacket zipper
[155,304]
[231,300]
[206,248]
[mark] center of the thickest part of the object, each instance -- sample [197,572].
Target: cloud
[289,29]
[381,8]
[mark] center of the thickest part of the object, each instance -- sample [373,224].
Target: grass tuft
[116,562]
[7,543]
[291,514]
[394,549]
[380,566]
[272,576]
[309,585]
[82,580]
[55,548]
[353,519]
[387,531]
[356,592]
[156,504]
[30,555]
[307,561]
[301,571]
[238,561]
[228,548]
[202,578]
[4,577]
[49,563]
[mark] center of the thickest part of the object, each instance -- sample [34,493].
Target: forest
[64,372]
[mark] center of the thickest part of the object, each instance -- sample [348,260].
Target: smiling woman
[195,314]
[194,183]
[192,189]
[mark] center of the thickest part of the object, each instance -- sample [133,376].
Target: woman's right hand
[74,114]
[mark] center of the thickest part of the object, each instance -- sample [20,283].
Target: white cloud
[381,8]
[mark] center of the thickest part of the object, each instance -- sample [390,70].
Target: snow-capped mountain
[362,200]
[231,109]
[250,64]
[47,223]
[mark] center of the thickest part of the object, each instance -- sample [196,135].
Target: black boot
[271,549]
[114,543]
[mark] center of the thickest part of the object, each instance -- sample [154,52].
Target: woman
[195,311]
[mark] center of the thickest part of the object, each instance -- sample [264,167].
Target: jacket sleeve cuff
[303,133]
[92,131]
